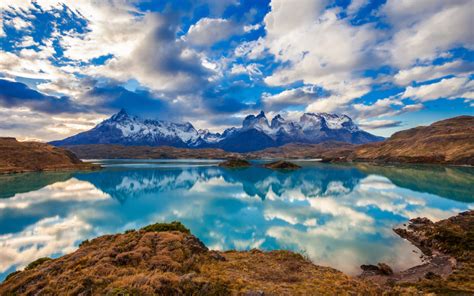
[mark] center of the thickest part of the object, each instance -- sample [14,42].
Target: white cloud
[317,47]
[424,73]
[2,32]
[18,23]
[380,107]
[20,122]
[376,124]
[27,41]
[449,88]
[250,49]
[208,31]
[356,5]
[321,49]
[252,70]
[301,96]
[344,92]
[438,26]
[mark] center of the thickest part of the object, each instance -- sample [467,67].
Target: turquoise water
[338,215]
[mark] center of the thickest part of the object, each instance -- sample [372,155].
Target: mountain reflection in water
[338,215]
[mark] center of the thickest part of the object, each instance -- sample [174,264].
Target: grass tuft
[160,227]
[37,263]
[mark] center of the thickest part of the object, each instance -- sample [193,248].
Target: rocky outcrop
[281,165]
[235,163]
[16,157]
[165,259]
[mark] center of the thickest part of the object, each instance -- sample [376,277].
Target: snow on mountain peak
[259,122]
[255,133]
[137,129]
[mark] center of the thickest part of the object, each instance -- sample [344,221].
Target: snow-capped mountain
[255,133]
[124,129]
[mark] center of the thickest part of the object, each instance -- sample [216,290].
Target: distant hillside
[449,141]
[18,157]
[104,151]
[256,133]
[298,150]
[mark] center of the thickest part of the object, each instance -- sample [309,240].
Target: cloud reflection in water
[339,216]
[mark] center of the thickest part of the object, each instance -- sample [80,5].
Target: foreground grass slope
[18,157]
[165,259]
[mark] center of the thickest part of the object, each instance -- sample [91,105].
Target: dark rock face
[379,269]
[246,141]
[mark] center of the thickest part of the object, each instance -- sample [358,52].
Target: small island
[281,165]
[235,163]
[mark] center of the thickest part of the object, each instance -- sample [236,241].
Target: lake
[337,215]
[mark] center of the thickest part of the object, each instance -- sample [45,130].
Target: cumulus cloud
[159,61]
[291,97]
[424,73]
[425,29]
[15,94]
[18,23]
[252,70]
[169,56]
[251,49]
[448,88]
[376,124]
[208,31]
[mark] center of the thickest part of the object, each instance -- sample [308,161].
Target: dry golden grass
[148,262]
[449,141]
[18,157]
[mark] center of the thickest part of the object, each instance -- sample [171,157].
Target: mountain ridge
[256,132]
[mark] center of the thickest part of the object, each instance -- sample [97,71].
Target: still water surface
[339,215]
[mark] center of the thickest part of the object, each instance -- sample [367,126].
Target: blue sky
[390,65]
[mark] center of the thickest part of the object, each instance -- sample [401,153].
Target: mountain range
[256,132]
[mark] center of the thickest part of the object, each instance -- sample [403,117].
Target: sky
[389,64]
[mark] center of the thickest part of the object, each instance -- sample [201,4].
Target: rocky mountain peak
[277,121]
[121,115]
[258,122]
[255,133]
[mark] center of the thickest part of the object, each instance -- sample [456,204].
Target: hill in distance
[449,141]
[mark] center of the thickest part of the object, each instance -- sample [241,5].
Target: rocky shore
[166,259]
[448,251]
